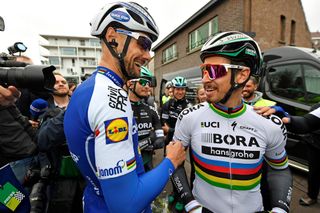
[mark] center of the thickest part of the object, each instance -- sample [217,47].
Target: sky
[25,20]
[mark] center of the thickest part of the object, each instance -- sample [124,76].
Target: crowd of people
[90,147]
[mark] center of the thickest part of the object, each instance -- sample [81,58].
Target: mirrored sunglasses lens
[214,71]
[145,43]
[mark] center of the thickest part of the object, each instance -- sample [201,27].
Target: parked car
[292,79]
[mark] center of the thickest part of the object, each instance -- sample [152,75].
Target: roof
[288,53]
[186,23]
[315,34]
[67,36]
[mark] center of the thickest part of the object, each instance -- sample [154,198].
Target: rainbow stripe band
[131,163]
[236,176]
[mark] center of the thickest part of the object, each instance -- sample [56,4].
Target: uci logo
[116,130]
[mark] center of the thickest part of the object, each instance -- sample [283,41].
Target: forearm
[133,193]
[305,124]
[280,186]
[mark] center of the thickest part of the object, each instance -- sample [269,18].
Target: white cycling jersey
[228,148]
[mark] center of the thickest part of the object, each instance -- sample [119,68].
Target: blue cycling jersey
[102,138]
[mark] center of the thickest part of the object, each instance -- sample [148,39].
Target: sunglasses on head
[142,40]
[215,71]
[143,82]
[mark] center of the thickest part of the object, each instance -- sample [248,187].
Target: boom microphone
[37,108]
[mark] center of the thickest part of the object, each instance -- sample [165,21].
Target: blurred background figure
[201,95]
[253,97]
[166,96]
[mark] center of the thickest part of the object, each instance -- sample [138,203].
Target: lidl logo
[116,130]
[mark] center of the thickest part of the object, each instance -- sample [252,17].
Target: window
[94,42]
[54,60]
[296,82]
[200,35]
[68,51]
[169,54]
[283,28]
[293,32]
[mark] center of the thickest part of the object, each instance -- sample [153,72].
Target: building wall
[266,23]
[229,18]
[261,17]
[84,60]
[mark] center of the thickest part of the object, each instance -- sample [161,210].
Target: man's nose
[205,77]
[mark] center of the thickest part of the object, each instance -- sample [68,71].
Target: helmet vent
[152,28]
[136,17]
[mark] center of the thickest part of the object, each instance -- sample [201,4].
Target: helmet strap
[120,56]
[134,91]
[234,86]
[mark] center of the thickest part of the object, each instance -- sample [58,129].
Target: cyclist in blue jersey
[101,132]
[228,139]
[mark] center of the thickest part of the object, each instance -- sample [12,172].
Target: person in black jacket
[150,133]
[16,133]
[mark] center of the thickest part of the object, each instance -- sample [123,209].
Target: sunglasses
[142,40]
[143,82]
[215,71]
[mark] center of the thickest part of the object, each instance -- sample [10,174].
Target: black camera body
[21,75]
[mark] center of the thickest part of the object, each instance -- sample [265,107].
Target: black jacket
[16,136]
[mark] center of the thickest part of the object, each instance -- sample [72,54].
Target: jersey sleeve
[275,154]
[156,124]
[182,129]
[165,113]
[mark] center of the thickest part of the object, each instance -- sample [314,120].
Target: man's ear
[111,34]
[242,75]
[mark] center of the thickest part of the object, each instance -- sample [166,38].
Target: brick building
[315,37]
[272,23]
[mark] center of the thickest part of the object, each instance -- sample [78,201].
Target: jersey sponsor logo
[278,122]
[120,16]
[116,130]
[234,125]
[238,140]
[213,124]
[234,153]
[117,98]
[109,172]
[188,110]
[144,126]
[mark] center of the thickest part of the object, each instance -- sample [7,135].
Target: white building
[73,56]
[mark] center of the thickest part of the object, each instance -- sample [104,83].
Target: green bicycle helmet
[145,73]
[235,46]
[179,82]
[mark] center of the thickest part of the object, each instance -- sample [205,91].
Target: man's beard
[60,94]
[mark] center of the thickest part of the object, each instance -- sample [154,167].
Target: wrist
[277,210]
[192,205]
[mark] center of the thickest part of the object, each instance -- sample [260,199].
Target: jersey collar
[228,112]
[111,75]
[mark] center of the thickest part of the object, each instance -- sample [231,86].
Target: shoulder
[264,102]
[270,124]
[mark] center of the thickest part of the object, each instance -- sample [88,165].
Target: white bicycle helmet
[127,15]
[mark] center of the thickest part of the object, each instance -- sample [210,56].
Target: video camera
[21,75]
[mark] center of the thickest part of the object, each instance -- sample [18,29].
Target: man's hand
[264,111]
[176,153]
[8,96]
[34,124]
[165,128]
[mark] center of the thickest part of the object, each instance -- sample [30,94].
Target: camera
[21,75]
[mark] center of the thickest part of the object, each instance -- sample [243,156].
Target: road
[299,189]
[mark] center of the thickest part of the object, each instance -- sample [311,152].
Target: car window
[287,81]
[312,82]
[297,82]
